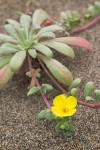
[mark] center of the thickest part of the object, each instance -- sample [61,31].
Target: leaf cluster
[30,37]
[88,92]
[63,124]
[72,19]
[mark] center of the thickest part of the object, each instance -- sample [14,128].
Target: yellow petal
[69,113]
[71,102]
[57,111]
[59,100]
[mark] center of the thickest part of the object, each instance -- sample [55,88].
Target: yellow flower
[64,106]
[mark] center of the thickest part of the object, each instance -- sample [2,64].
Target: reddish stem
[89,104]
[37,83]
[88,25]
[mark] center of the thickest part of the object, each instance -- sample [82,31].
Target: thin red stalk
[89,104]
[88,25]
[51,77]
[37,83]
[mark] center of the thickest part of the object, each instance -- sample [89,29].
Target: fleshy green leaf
[32,53]
[58,127]
[33,90]
[22,37]
[7,50]
[74,41]
[4,60]
[88,89]
[17,60]
[25,21]
[44,50]
[75,83]
[89,98]
[5,75]
[46,35]
[63,125]
[59,71]
[94,10]
[10,29]
[61,47]
[69,131]
[87,17]
[45,88]
[97,92]
[39,16]
[14,23]
[49,116]
[97,5]
[52,28]
[46,114]
[6,38]
[74,92]
[10,45]
[42,114]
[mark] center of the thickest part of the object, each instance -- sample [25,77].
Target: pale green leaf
[97,92]
[4,60]
[74,41]
[10,45]
[74,92]
[7,50]
[42,114]
[14,23]
[22,37]
[52,28]
[6,38]
[51,117]
[17,60]
[10,29]
[89,98]
[5,75]
[46,35]
[59,71]
[75,83]
[88,89]
[45,88]
[39,16]
[32,53]
[62,48]
[44,50]
[25,21]
[33,90]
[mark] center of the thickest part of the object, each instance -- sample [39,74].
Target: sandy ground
[20,128]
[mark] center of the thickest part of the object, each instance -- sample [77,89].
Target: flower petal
[57,111]
[59,100]
[71,102]
[70,112]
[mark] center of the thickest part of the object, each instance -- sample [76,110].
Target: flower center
[65,109]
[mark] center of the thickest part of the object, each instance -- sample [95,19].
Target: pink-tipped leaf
[5,75]
[75,41]
[59,71]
